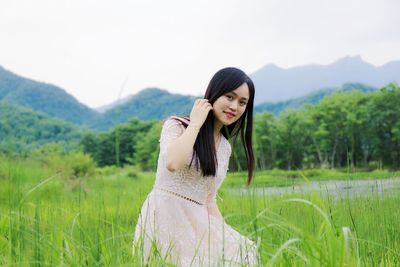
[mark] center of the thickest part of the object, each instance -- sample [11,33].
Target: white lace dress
[174,217]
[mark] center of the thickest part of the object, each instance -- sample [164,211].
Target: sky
[100,51]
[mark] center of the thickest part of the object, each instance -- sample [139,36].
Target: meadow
[49,217]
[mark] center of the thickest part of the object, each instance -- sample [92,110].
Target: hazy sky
[90,47]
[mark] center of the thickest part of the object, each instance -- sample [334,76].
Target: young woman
[180,219]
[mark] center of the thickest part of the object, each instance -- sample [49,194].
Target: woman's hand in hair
[179,150]
[199,112]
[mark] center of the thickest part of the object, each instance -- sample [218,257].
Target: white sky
[89,47]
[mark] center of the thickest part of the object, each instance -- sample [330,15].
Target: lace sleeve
[171,130]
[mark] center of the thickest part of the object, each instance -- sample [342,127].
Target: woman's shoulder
[177,120]
[181,119]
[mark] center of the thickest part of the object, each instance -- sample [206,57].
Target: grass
[43,222]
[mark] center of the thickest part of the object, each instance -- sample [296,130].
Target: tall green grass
[45,223]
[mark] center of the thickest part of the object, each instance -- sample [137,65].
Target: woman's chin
[229,122]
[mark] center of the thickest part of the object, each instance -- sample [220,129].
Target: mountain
[114,104]
[22,129]
[43,97]
[312,98]
[151,103]
[297,86]
[148,104]
[276,84]
[156,104]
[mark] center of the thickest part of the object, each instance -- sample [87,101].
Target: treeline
[352,129]
[345,129]
[135,142]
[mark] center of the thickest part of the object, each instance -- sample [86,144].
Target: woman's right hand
[199,112]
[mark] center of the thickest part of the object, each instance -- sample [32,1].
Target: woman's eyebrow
[237,95]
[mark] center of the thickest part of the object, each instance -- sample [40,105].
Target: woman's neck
[217,132]
[217,128]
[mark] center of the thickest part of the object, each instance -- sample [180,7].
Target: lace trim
[179,195]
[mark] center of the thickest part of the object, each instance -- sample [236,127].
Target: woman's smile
[229,115]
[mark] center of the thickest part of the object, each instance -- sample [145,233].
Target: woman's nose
[233,105]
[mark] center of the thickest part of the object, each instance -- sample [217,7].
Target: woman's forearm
[180,149]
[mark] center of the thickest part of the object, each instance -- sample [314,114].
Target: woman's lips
[229,115]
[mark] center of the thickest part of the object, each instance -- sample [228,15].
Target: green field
[49,218]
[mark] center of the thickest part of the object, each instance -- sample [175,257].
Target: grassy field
[49,219]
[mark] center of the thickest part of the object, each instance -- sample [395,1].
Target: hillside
[156,104]
[22,129]
[104,108]
[43,97]
[312,98]
[275,84]
[148,104]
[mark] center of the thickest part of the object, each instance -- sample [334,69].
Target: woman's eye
[243,103]
[229,97]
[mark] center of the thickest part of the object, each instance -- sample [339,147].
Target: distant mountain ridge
[312,98]
[114,104]
[156,104]
[277,84]
[43,97]
[148,104]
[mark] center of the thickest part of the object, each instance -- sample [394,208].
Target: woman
[180,220]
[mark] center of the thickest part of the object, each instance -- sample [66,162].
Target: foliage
[117,146]
[73,168]
[346,129]
[22,129]
[147,148]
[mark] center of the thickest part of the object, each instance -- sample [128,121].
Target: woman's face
[229,107]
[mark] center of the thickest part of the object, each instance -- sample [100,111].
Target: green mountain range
[148,104]
[43,97]
[312,98]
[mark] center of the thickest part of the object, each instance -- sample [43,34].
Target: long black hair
[225,81]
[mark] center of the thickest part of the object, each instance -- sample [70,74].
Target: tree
[147,148]
[264,142]
[291,140]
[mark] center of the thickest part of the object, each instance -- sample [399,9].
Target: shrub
[80,164]
[133,172]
